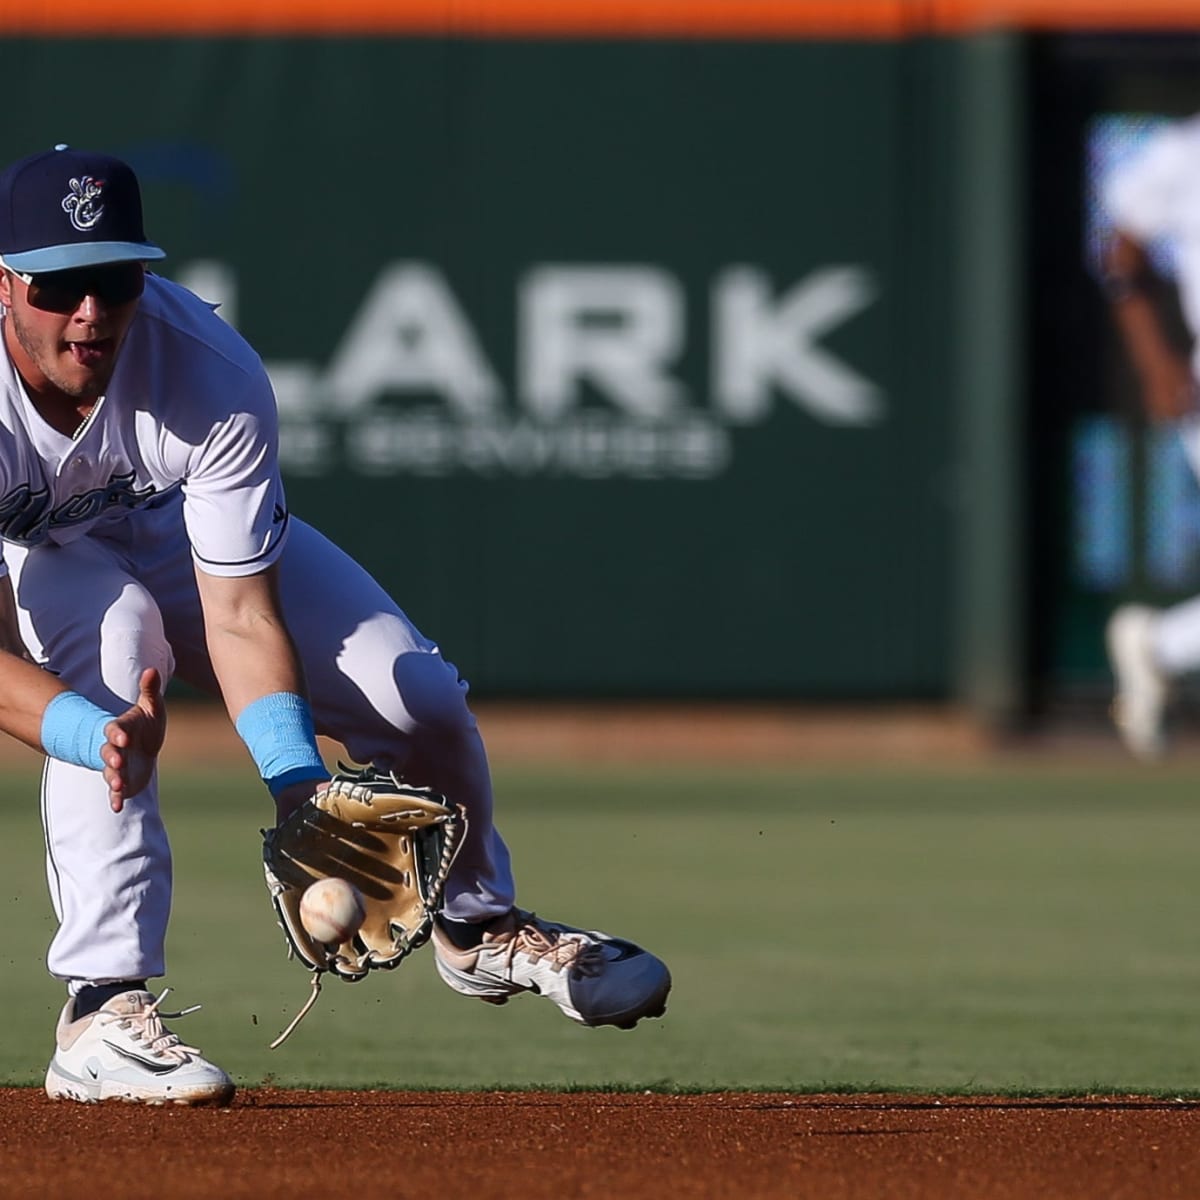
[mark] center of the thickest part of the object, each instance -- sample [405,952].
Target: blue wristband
[73,730]
[278,732]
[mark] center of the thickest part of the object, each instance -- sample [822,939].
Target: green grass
[1021,930]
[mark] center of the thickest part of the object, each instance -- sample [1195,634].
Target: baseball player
[144,525]
[1156,194]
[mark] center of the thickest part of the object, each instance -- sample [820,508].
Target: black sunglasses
[63,291]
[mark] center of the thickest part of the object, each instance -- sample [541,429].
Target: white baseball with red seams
[332,911]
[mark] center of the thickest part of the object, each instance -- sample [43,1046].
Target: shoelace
[572,950]
[146,1028]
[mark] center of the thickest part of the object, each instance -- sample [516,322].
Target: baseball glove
[394,842]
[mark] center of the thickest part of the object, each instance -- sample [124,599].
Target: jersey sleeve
[233,500]
[1141,196]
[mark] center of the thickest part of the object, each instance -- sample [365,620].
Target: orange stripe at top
[713,19]
[500,18]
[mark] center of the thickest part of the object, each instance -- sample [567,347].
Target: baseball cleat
[124,1052]
[1142,687]
[593,978]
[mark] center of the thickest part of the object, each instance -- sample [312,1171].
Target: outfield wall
[634,367]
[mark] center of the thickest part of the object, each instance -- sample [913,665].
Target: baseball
[332,911]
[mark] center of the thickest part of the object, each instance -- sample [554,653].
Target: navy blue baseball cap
[68,208]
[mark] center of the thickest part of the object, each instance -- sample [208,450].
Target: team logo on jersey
[82,202]
[27,517]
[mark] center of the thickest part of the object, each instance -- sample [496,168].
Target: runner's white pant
[101,609]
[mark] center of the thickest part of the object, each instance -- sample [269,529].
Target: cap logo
[82,202]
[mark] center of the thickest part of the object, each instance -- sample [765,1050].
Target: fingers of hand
[116,789]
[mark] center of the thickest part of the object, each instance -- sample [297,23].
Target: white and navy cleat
[594,979]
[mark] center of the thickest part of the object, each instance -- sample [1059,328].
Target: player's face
[64,329]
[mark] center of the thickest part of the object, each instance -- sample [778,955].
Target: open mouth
[92,353]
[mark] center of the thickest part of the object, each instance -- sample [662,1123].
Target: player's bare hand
[134,740]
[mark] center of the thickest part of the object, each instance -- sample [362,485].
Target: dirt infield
[492,1146]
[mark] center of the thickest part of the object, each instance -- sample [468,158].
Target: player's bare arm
[259,673]
[1164,374]
[25,692]
[252,652]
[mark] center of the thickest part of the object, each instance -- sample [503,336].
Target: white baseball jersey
[189,407]
[1157,194]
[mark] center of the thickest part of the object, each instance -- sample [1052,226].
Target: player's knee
[132,638]
[433,696]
